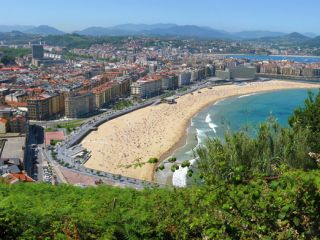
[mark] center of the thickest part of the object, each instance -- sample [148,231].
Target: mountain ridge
[44,30]
[168,30]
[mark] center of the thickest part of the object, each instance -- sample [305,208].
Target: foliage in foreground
[265,187]
[285,208]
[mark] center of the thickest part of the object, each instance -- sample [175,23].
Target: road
[34,137]
[59,176]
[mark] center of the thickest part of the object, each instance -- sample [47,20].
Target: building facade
[79,105]
[37,51]
[146,87]
[243,72]
[184,78]
[38,108]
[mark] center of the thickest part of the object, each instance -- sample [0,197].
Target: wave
[208,118]
[219,101]
[210,123]
[200,134]
[213,127]
[247,95]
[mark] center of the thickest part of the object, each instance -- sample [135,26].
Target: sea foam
[247,95]
[213,127]
[208,118]
[210,123]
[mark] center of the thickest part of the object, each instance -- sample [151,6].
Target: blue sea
[233,114]
[300,59]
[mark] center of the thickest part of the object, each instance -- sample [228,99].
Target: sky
[230,15]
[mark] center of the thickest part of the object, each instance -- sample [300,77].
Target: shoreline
[271,55]
[183,140]
[180,144]
[167,125]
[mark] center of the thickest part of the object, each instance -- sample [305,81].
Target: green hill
[315,42]
[291,39]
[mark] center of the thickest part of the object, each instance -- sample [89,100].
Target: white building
[146,87]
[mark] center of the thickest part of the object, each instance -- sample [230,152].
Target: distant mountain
[44,30]
[16,37]
[123,29]
[142,27]
[289,39]
[295,36]
[156,30]
[190,31]
[258,34]
[102,31]
[10,28]
[314,42]
[174,30]
[161,29]
[13,34]
[310,34]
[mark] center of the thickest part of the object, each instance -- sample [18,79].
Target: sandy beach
[156,131]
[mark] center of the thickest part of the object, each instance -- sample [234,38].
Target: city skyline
[286,16]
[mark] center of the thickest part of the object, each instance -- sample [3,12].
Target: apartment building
[184,78]
[45,106]
[79,105]
[147,87]
[38,108]
[13,120]
[269,69]
[17,96]
[223,74]
[169,81]
[243,72]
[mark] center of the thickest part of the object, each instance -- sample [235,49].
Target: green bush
[185,164]
[172,159]
[153,160]
[285,208]
[161,167]
[174,167]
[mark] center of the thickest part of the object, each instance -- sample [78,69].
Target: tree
[241,157]
[153,160]
[6,60]
[308,117]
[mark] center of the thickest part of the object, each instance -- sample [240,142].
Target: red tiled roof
[17,104]
[18,177]
[3,120]
[10,69]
